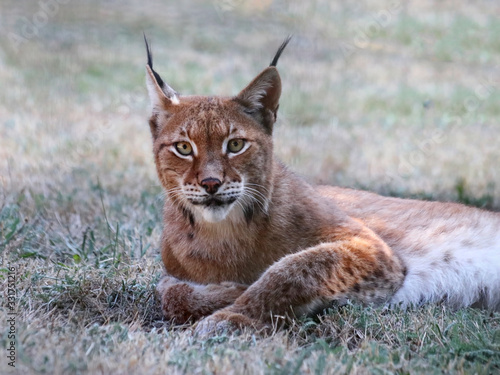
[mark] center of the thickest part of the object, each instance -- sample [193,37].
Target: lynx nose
[211,185]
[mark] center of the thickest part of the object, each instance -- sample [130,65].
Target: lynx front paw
[178,303]
[183,302]
[227,321]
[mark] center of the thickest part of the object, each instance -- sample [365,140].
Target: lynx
[246,240]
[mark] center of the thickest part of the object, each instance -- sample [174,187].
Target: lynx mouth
[215,202]
[214,209]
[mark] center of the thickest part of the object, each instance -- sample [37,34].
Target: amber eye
[235,145]
[184,148]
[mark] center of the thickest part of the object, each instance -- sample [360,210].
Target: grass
[80,205]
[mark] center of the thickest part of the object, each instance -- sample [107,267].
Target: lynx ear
[261,97]
[161,95]
[263,93]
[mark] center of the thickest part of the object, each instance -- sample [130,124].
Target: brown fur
[287,247]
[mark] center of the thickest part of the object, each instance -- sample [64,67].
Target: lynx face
[214,155]
[213,158]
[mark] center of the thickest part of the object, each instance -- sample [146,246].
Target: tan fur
[283,246]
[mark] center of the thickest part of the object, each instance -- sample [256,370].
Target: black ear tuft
[157,88]
[280,50]
[150,63]
[148,52]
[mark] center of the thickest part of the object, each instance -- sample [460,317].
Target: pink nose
[211,185]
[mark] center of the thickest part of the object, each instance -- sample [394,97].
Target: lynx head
[214,155]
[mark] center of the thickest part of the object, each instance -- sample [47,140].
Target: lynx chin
[246,240]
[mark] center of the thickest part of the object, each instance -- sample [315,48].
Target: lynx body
[245,239]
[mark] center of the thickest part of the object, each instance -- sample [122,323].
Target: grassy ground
[399,99]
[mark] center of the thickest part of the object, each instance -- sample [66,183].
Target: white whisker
[255,199]
[259,197]
[258,193]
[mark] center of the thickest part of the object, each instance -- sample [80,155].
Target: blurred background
[398,97]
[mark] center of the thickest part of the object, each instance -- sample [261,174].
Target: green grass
[80,204]
[86,315]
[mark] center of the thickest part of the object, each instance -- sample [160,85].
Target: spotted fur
[267,243]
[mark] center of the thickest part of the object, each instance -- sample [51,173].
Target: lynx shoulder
[245,238]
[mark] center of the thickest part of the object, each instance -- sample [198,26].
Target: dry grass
[80,203]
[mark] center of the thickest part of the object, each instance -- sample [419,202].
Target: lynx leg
[184,301]
[362,268]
